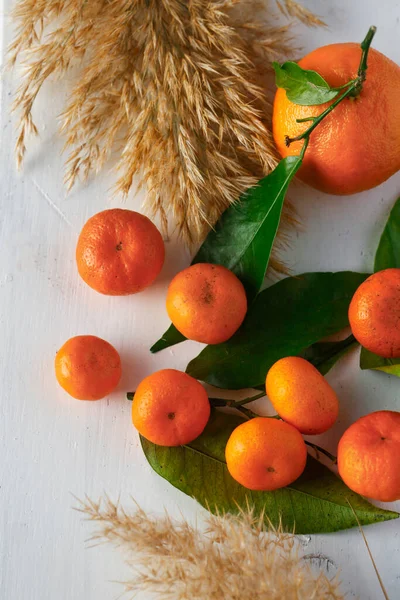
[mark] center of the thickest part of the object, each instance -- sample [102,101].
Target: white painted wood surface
[52,446]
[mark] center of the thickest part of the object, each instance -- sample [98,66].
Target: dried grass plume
[176,89]
[234,558]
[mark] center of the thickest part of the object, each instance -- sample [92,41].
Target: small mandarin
[265,454]
[87,367]
[301,395]
[369,456]
[170,408]
[374,313]
[206,303]
[119,252]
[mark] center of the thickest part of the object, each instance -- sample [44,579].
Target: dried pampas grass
[176,88]
[290,8]
[234,558]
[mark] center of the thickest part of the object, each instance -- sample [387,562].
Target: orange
[170,408]
[87,367]
[374,313]
[119,252]
[301,395]
[206,303]
[369,456]
[265,454]
[357,146]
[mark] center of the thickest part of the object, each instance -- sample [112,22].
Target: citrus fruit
[170,408]
[301,395]
[369,456]
[87,367]
[374,313]
[206,303]
[357,146]
[119,252]
[265,454]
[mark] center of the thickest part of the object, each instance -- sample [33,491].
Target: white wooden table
[52,446]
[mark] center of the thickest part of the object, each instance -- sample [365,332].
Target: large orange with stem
[119,252]
[357,146]
[369,456]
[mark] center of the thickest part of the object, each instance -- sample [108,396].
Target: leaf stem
[317,120]
[344,86]
[354,88]
[365,46]
[249,399]
[247,412]
[319,450]
[219,402]
[235,403]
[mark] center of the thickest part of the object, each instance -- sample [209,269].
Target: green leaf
[368,360]
[315,503]
[170,338]
[303,87]
[388,253]
[243,237]
[284,320]
[324,355]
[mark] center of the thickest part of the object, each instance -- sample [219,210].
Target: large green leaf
[316,503]
[324,355]
[304,87]
[388,253]
[369,360]
[284,320]
[243,237]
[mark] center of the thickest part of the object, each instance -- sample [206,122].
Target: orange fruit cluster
[121,252]
[266,454]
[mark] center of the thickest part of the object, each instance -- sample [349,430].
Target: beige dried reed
[290,8]
[233,558]
[176,89]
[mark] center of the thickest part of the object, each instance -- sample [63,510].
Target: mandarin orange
[374,313]
[119,252]
[87,367]
[301,395]
[206,303]
[369,456]
[170,408]
[265,454]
